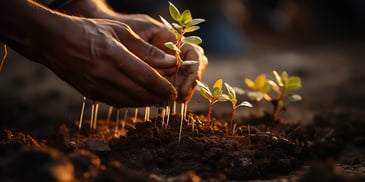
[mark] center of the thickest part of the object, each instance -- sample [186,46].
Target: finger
[145,51]
[141,73]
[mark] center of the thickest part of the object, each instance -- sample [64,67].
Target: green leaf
[186,17]
[192,40]
[196,21]
[167,24]
[191,29]
[294,83]
[177,26]
[245,103]
[255,95]
[223,98]
[278,79]
[217,88]
[204,90]
[261,84]
[174,12]
[294,98]
[284,78]
[189,62]
[250,84]
[239,90]
[231,91]
[172,46]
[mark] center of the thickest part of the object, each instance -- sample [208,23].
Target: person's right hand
[102,59]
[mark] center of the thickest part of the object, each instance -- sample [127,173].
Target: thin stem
[4,56]
[82,112]
[110,111]
[147,114]
[92,115]
[116,134]
[174,108]
[135,115]
[181,121]
[168,115]
[96,116]
[210,112]
[163,113]
[232,118]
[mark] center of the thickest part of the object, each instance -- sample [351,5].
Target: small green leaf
[255,95]
[284,78]
[231,91]
[294,98]
[172,46]
[192,40]
[204,90]
[191,29]
[189,62]
[186,17]
[245,103]
[217,88]
[261,84]
[223,98]
[174,12]
[278,78]
[250,84]
[177,26]
[196,21]
[294,83]
[167,24]
[239,90]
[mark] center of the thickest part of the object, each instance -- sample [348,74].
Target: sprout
[232,98]
[259,88]
[284,87]
[212,97]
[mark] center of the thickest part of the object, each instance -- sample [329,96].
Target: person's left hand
[155,33]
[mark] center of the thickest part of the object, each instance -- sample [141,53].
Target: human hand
[101,59]
[155,33]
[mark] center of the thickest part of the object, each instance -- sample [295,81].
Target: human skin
[103,59]
[155,33]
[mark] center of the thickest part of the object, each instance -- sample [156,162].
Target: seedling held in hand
[232,98]
[184,23]
[212,97]
[284,87]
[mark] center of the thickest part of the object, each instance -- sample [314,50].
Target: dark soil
[152,153]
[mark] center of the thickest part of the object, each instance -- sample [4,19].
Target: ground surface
[324,133]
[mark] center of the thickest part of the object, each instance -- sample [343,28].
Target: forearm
[24,23]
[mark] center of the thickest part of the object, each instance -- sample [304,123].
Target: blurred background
[320,41]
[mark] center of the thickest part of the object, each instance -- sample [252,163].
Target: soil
[319,139]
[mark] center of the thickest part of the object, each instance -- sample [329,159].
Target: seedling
[284,87]
[258,90]
[233,99]
[212,97]
[4,56]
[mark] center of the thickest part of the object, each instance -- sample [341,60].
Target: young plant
[184,23]
[212,97]
[232,98]
[258,90]
[284,87]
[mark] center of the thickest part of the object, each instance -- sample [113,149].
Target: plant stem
[182,119]
[116,134]
[210,112]
[96,116]
[4,56]
[232,118]
[168,116]
[135,115]
[92,115]
[82,113]
[110,111]
[147,114]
